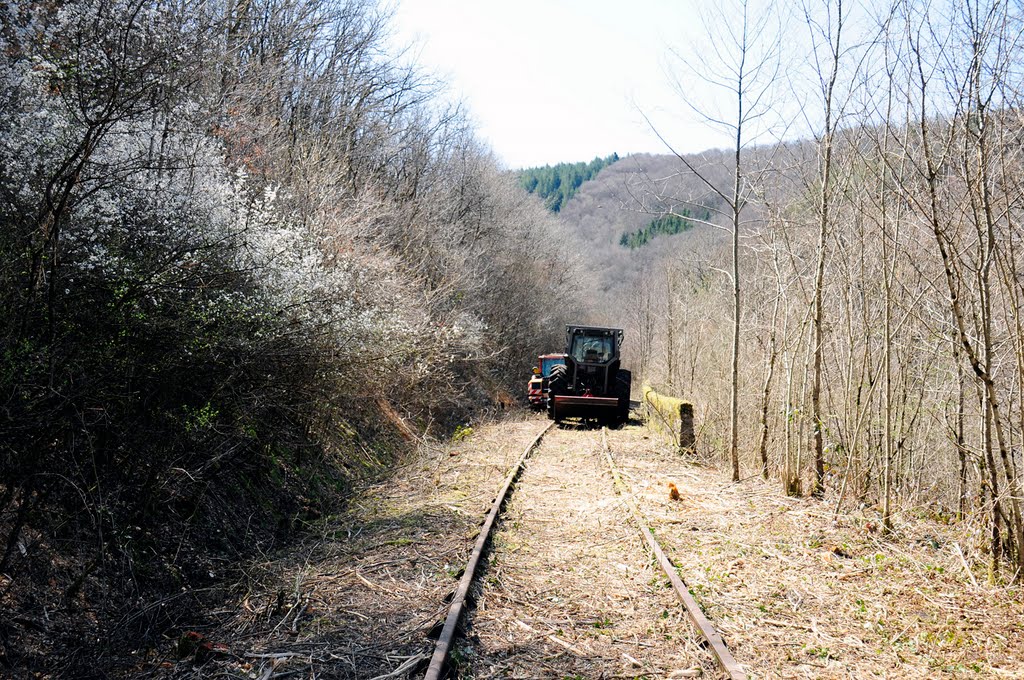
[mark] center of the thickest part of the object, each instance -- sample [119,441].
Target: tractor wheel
[623,387]
[557,384]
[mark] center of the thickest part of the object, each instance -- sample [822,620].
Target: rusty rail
[444,642]
[714,640]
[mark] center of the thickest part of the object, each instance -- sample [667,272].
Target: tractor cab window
[593,349]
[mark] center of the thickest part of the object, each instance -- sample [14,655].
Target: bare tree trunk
[734,404]
[769,374]
[670,342]
[961,444]
[751,42]
[826,149]
[769,360]
[887,367]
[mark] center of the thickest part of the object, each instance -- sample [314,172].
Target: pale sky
[550,81]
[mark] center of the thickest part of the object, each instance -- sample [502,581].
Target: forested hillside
[666,225]
[619,202]
[874,290]
[246,256]
[557,184]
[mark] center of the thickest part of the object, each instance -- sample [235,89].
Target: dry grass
[796,595]
[360,600]
[569,591]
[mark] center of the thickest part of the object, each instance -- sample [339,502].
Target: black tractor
[590,385]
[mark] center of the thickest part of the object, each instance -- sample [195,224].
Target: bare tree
[827,40]
[743,40]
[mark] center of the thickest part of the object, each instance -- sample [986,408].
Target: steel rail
[714,640]
[444,642]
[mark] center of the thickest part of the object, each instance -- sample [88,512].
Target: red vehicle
[537,388]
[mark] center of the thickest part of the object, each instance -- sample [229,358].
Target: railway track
[711,641]
[439,660]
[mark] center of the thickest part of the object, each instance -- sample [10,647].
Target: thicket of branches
[236,239]
[882,345]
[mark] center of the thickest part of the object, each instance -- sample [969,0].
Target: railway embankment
[568,587]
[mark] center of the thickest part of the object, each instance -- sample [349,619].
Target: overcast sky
[551,81]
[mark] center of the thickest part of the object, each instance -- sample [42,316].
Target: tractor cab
[537,388]
[590,385]
[546,362]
